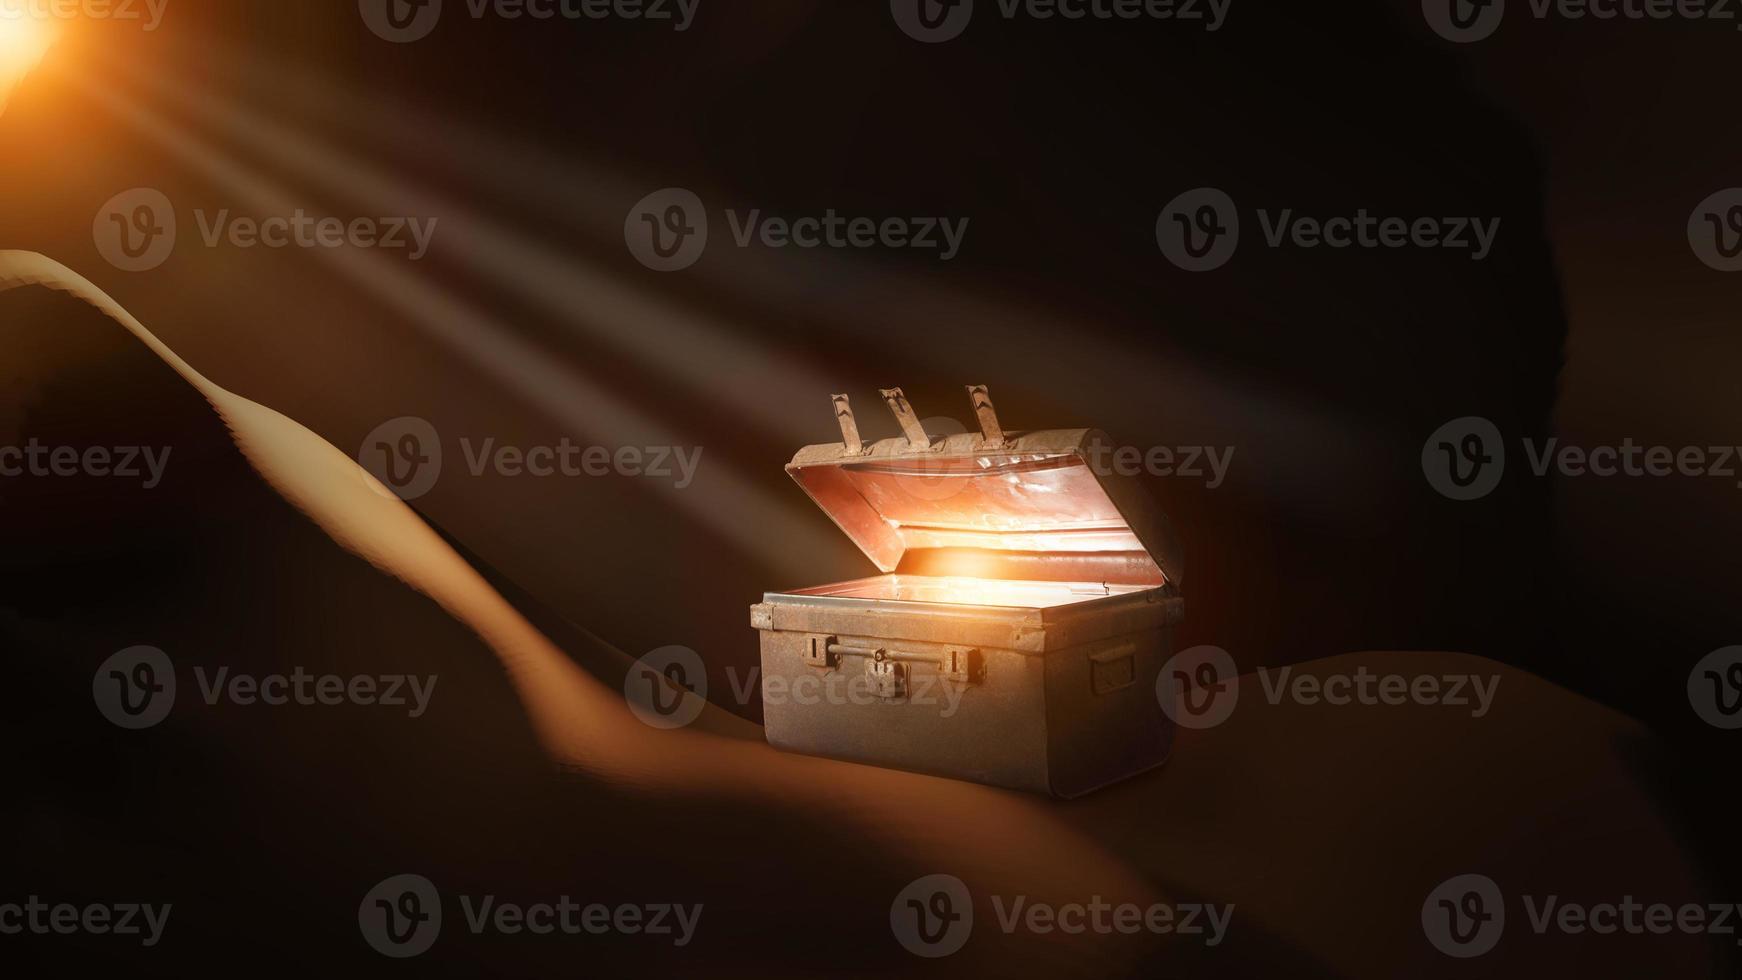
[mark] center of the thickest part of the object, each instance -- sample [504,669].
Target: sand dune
[1324,829]
[586,726]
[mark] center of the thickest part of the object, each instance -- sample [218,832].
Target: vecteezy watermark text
[1466,458]
[136,688]
[668,687]
[923,689]
[936,21]
[402,21]
[1104,918]
[933,917]
[1199,688]
[1208,463]
[1473,691]
[572,918]
[1466,916]
[1200,230]
[36,459]
[667,231]
[1466,21]
[137,231]
[571,459]
[405,456]
[35,916]
[302,230]
[305,689]
[680,14]
[147,13]
[402,917]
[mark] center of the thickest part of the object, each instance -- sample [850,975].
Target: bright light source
[24,39]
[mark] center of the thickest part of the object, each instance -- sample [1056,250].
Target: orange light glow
[962,591]
[24,39]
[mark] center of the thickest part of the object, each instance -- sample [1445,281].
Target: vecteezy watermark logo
[135,230]
[667,231]
[933,916]
[1465,458]
[1210,922]
[1463,21]
[1207,463]
[401,21]
[668,687]
[135,688]
[920,689]
[1715,230]
[299,229]
[37,459]
[932,21]
[1465,916]
[404,455]
[149,13]
[1474,692]
[401,917]
[1199,687]
[1199,230]
[41,918]
[299,687]
[1715,688]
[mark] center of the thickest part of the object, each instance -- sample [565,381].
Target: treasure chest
[1022,615]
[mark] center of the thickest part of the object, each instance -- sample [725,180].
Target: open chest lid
[1039,506]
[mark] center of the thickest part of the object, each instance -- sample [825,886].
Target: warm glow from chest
[963,591]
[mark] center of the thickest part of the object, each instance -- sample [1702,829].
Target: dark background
[1326,370]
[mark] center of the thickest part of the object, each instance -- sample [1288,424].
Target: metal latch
[991,433]
[818,652]
[918,440]
[890,670]
[888,678]
[961,664]
[855,446]
[905,417]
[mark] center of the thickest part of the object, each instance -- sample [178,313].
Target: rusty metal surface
[1018,632]
[991,432]
[851,443]
[1059,700]
[1061,724]
[917,439]
[931,486]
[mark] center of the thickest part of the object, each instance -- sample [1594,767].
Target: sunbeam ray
[24,38]
[1315,451]
[721,499]
[769,388]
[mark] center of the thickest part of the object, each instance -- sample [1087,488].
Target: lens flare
[24,39]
